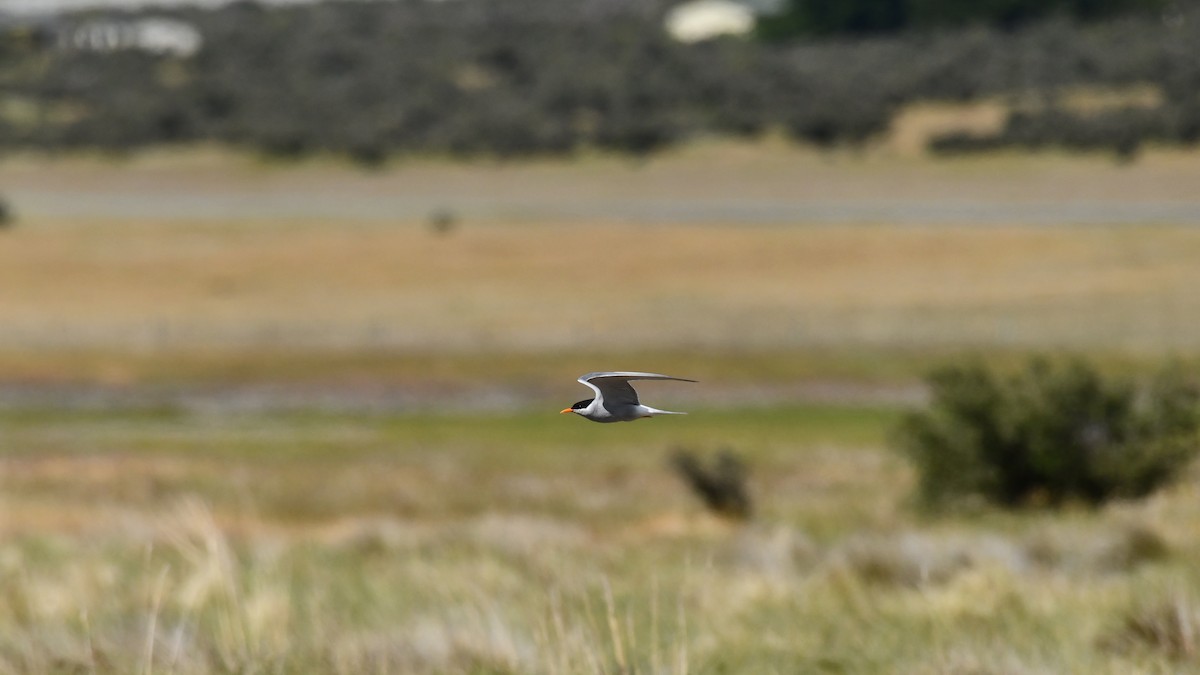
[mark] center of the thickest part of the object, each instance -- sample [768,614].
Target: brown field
[118,302]
[583,285]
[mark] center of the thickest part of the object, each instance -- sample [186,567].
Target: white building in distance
[699,20]
[165,37]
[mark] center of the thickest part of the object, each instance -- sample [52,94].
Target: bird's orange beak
[565,411]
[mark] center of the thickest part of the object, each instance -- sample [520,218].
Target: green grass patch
[540,371]
[511,436]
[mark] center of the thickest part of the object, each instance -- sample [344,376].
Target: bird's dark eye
[582,404]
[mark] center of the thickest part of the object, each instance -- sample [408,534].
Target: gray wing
[614,386]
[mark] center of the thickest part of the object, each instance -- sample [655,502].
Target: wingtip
[633,375]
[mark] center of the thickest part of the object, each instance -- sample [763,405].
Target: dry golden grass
[582,286]
[919,123]
[134,542]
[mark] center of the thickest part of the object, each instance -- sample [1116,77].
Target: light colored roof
[705,19]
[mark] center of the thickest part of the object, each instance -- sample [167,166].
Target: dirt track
[717,184]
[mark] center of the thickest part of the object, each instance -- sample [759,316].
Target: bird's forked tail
[655,411]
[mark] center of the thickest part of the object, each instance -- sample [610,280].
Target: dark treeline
[840,17]
[533,77]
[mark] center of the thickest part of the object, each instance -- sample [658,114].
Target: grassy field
[169,542]
[297,445]
[151,287]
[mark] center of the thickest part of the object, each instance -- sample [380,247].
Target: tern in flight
[616,401]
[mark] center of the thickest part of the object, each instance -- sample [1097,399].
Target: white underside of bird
[616,400]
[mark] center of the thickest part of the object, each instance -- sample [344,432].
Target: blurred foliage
[1123,129]
[1169,626]
[1052,433]
[505,78]
[6,214]
[721,485]
[834,17]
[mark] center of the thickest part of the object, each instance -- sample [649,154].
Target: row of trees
[521,77]
[838,17]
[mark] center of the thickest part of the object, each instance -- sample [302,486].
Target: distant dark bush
[6,214]
[1050,434]
[442,221]
[832,17]
[721,486]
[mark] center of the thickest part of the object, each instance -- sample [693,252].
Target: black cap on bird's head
[577,406]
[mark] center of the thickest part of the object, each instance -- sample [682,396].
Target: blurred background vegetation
[291,416]
[508,78]
[821,17]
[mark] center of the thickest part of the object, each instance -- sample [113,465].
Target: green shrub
[1051,433]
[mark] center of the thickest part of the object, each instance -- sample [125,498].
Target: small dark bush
[722,486]
[442,221]
[1052,433]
